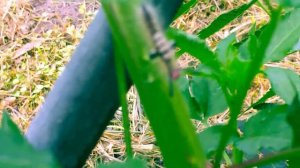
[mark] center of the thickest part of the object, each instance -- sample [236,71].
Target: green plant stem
[168,116]
[237,155]
[120,70]
[228,130]
[285,155]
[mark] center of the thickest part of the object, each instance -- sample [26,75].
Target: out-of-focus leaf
[289,3]
[235,67]
[285,37]
[293,119]
[225,49]
[131,163]
[16,152]
[194,108]
[210,138]
[267,129]
[223,20]
[209,96]
[185,7]
[7,125]
[285,83]
[248,49]
[194,46]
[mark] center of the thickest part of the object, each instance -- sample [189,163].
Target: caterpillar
[162,46]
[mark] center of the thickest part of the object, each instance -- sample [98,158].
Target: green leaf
[289,3]
[194,46]
[209,96]
[210,138]
[285,37]
[223,20]
[285,83]
[16,152]
[268,129]
[185,7]
[226,51]
[8,126]
[194,108]
[235,66]
[248,48]
[270,93]
[131,163]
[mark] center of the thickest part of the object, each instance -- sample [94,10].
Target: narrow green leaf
[122,87]
[285,83]
[131,163]
[185,7]
[223,20]
[194,46]
[285,37]
[274,132]
[270,93]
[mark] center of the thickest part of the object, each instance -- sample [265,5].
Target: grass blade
[120,70]
[223,20]
[185,8]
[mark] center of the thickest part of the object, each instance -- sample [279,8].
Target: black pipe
[85,97]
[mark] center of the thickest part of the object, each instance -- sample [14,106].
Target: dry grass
[35,44]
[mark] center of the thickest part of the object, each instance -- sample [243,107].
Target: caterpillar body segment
[163,48]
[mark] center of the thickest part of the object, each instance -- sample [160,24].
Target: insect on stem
[163,48]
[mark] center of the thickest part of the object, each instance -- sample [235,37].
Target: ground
[37,39]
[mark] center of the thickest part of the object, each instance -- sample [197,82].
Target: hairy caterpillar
[162,46]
